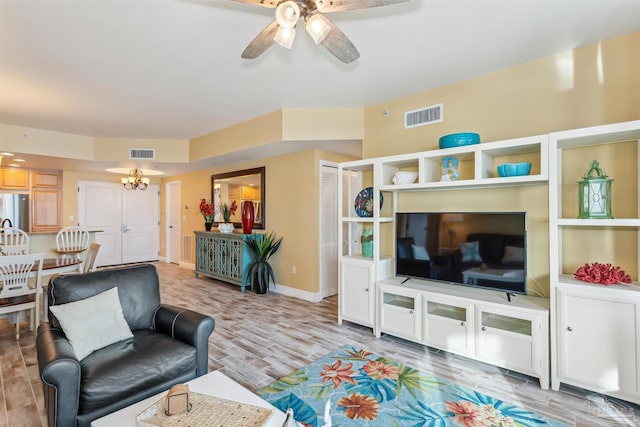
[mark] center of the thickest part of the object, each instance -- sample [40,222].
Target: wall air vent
[142,153]
[423,116]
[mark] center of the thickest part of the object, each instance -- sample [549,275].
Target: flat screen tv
[482,250]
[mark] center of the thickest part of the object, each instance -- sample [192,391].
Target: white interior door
[173,221]
[100,208]
[140,224]
[328,230]
[128,220]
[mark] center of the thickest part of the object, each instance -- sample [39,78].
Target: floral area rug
[366,389]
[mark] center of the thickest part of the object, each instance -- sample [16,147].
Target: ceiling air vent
[423,116]
[142,153]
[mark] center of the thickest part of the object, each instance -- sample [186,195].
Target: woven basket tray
[206,411]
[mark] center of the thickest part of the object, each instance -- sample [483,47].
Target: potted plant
[207,210]
[227,213]
[261,247]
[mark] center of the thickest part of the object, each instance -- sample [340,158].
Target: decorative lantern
[594,194]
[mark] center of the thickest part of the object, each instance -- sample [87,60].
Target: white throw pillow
[419,252]
[93,323]
[470,252]
[513,254]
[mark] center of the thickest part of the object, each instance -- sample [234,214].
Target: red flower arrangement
[605,274]
[207,210]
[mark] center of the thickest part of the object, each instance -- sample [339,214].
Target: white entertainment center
[528,334]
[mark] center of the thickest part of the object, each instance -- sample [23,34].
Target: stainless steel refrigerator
[14,210]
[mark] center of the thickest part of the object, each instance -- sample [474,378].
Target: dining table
[60,265]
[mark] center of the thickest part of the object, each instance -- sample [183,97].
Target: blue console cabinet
[222,256]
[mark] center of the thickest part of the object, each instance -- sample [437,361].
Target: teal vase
[367,249]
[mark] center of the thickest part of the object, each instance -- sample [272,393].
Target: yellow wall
[253,133]
[291,210]
[45,143]
[117,149]
[561,92]
[322,124]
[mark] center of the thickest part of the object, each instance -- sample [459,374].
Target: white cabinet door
[399,312]
[357,292]
[448,324]
[503,339]
[598,342]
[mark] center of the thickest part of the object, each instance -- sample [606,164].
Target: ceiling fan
[283,29]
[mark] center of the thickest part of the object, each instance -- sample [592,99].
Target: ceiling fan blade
[261,42]
[326,6]
[263,3]
[340,45]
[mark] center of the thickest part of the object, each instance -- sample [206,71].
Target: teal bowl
[459,139]
[514,169]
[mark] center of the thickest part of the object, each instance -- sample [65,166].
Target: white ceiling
[172,68]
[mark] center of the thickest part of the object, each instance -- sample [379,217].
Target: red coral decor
[605,274]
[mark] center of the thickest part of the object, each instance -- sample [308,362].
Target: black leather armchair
[169,346]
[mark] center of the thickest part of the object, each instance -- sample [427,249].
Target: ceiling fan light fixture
[284,37]
[287,14]
[318,27]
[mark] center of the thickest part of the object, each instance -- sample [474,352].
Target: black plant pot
[259,286]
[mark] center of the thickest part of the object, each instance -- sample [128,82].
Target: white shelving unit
[478,165]
[358,274]
[478,168]
[475,323]
[595,329]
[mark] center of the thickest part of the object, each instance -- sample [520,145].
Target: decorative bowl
[459,139]
[404,177]
[363,204]
[514,169]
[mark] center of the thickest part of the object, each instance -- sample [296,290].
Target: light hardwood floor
[259,338]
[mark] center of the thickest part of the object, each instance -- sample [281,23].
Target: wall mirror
[242,185]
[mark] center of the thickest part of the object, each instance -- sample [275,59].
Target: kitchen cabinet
[46,209]
[14,179]
[46,200]
[46,179]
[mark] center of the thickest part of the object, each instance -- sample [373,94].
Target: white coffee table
[214,384]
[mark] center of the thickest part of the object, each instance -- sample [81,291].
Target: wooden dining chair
[72,240]
[21,281]
[13,241]
[89,263]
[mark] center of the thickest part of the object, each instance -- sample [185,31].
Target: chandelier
[135,180]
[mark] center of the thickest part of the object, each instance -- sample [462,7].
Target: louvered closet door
[328,230]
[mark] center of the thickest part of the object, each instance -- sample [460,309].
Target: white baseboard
[279,289]
[187,265]
[296,293]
